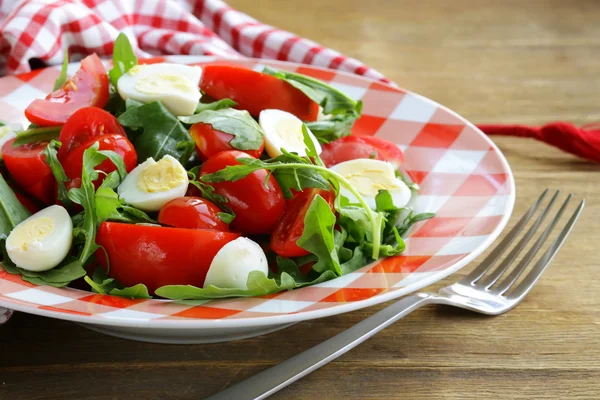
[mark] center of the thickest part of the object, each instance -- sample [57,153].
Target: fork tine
[491,259]
[491,278]
[525,286]
[520,268]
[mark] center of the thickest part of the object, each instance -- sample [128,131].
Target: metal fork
[484,291]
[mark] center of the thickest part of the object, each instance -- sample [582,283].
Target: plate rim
[341,308]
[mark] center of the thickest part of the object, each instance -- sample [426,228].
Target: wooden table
[492,61]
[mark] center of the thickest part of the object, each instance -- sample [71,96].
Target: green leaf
[35,135]
[59,173]
[357,261]
[162,132]
[247,133]
[311,150]
[12,212]
[226,217]
[107,204]
[62,78]
[214,106]
[123,58]
[258,285]
[139,291]
[68,271]
[384,201]
[337,126]
[411,219]
[208,192]
[318,237]
[332,100]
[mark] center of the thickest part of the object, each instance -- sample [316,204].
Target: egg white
[234,262]
[368,176]
[284,130]
[32,251]
[179,101]
[130,191]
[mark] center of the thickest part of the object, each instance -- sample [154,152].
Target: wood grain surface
[505,61]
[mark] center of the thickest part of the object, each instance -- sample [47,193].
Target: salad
[186,182]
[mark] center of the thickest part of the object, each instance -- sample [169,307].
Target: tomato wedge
[210,141]
[27,166]
[354,147]
[256,201]
[290,226]
[192,213]
[158,256]
[73,161]
[85,124]
[255,91]
[89,87]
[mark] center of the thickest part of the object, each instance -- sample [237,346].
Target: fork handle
[272,380]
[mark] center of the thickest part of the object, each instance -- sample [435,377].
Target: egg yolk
[165,175]
[36,229]
[290,130]
[161,83]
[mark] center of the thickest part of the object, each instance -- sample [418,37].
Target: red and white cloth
[42,28]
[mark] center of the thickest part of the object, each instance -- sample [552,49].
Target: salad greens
[62,78]
[123,59]
[61,178]
[247,134]
[35,134]
[215,105]
[162,132]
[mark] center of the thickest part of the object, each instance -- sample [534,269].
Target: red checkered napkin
[42,28]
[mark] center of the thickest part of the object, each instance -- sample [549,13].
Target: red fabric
[580,141]
[41,28]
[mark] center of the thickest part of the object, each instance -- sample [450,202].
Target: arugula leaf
[357,261]
[208,192]
[334,128]
[332,100]
[411,219]
[214,106]
[62,78]
[12,212]
[110,207]
[34,135]
[226,217]
[59,173]
[258,284]
[68,271]
[247,134]
[162,132]
[101,283]
[318,237]
[123,58]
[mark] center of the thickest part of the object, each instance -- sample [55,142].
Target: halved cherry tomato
[73,161]
[85,124]
[210,141]
[290,226]
[192,213]
[89,87]
[353,147]
[255,91]
[257,206]
[158,256]
[27,166]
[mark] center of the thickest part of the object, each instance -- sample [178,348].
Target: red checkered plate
[463,176]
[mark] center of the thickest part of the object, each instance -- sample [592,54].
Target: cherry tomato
[290,226]
[73,161]
[89,87]
[256,206]
[255,91]
[192,213]
[85,124]
[27,166]
[353,147]
[158,256]
[210,141]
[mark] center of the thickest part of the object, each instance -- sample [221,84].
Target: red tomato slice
[89,87]
[353,147]
[210,141]
[26,165]
[290,226]
[255,91]
[192,213]
[256,207]
[158,256]
[73,161]
[85,124]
